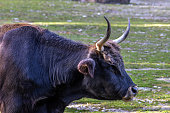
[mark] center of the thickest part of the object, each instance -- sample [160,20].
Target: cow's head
[104,73]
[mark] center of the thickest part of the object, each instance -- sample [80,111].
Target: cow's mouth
[132,92]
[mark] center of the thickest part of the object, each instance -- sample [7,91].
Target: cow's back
[7,27]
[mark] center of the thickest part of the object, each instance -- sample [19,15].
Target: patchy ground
[93,107]
[152,9]
[146,51]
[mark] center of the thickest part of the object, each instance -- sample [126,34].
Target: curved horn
[125,34]
[101,42]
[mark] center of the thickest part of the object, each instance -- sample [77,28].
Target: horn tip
[129,21]
[105,18]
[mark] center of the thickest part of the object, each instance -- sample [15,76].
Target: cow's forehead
[111,53]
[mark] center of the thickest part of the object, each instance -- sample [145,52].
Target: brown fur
[111,53]
[7,27]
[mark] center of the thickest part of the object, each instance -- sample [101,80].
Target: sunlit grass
[99,24]
[95,24]
[92,24]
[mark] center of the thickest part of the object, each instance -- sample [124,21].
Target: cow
[42,72]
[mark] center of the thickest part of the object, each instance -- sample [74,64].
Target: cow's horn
[125,34]
[101,42]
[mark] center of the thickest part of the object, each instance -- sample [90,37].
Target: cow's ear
[87,67]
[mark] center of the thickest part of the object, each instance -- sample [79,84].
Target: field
[146,51]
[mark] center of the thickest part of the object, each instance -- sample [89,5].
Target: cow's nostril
[135,90]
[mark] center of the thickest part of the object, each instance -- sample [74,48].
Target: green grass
[146,47]
[142,79]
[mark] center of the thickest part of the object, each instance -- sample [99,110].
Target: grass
[146,47]
[144,98]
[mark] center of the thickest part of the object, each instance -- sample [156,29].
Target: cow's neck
[73,92]
[61,57]
[65,94]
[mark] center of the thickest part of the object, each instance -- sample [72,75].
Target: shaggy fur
[41,72]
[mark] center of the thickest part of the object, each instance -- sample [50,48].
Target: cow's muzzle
[132,91]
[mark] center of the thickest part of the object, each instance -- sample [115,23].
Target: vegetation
[145,52]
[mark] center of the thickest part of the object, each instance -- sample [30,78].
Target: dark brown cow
[42,72]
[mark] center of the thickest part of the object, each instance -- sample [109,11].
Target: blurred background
[145,51]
